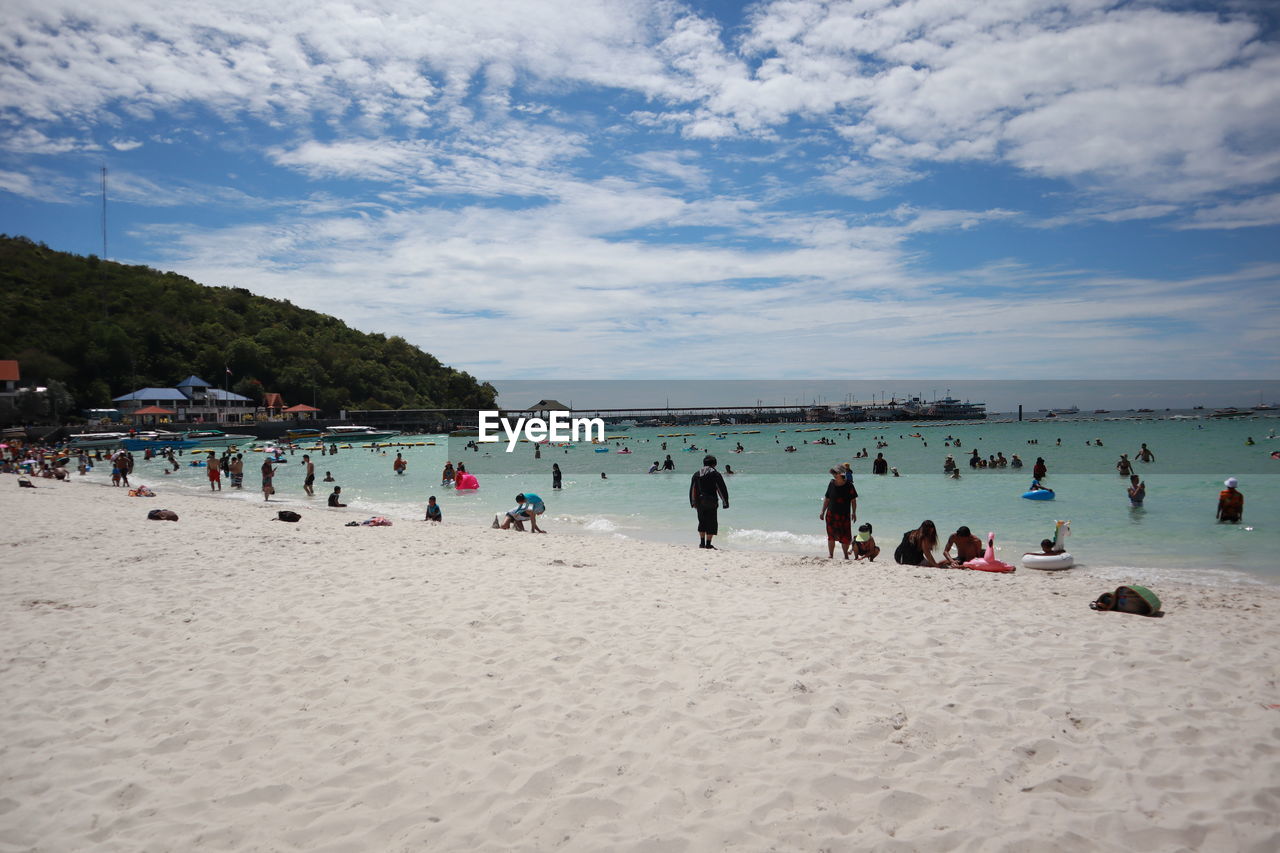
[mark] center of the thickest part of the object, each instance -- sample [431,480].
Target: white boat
[357,433]
[96,440]
[216,437]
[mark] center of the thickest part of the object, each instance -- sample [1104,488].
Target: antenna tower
[104,211]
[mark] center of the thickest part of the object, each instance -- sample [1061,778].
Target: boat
[216,437]
[304,434]
[1229,413]
[1074,410]
[1102,411]
[946,409]
[159,440]
[95,440]
[358,433]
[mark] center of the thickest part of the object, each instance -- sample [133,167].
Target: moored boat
[96,440]
[357,433]
[216,437]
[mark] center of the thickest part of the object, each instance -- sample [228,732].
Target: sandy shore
[229,682]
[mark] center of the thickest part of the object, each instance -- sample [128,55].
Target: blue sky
[611,189]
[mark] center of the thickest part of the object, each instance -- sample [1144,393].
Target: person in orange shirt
[1230,502]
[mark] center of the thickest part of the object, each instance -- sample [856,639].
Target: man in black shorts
[309,482]
[706,490]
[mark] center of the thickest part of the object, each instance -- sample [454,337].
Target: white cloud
[1252,213]
[584,305]
[1166,105]
[42,185]
[1163,104]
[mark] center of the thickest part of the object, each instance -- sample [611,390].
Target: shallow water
[776,497]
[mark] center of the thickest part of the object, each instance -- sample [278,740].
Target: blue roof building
[192,400]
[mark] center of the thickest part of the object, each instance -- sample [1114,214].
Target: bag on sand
[1129,599]
[162,515]
[287,515]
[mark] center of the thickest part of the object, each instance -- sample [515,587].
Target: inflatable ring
[1048,562]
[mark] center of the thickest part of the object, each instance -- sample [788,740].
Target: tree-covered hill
[103,329]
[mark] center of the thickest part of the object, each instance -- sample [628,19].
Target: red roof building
[9,377]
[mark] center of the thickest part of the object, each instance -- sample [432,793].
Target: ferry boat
[951,409]
[1074,410]
[357,433]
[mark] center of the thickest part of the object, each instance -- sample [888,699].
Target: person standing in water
[213,472]
[1137,490]
[1145,455]
[308,484]
[268,474]
[706,489]
[555,475]
[1230,502]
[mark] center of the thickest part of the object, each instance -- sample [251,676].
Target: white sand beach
[230,682]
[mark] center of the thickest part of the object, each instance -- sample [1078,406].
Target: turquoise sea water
[776,496]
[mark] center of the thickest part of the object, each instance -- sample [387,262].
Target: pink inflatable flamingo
[988,562]
[465,482]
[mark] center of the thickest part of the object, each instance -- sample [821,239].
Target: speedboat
[357,433]
[95,440]
[159,440]
[216,437]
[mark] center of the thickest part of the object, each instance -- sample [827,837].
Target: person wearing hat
[1230,502]
[706,489]
[839,508]
[864,544]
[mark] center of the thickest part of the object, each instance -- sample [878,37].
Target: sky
[606,189]
[1118,397]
